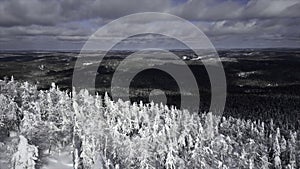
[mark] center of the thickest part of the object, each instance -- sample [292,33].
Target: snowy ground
[7,148]
[59,160]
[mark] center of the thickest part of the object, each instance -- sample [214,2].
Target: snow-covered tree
[26,156]
[117,134]
[276,147]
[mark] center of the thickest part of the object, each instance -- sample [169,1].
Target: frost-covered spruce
[26,156]
[123,135]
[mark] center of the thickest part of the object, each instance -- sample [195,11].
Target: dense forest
[96,132]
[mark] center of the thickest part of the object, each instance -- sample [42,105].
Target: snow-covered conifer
[26,156]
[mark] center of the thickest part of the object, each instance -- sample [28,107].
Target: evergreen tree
[26,156]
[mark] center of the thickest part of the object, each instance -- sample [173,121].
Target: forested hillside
[95,132]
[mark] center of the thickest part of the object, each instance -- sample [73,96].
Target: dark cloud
[51,12]
[18,12]
[63,23]
[235,10]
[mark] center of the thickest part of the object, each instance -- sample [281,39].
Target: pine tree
[209,126]
[291,146]
[276,147]
[26,156]
[77,142]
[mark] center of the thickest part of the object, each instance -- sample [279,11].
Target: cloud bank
[66,24]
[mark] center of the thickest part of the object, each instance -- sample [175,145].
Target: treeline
[107,134]
[282,109]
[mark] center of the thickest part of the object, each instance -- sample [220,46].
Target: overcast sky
[66,24]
